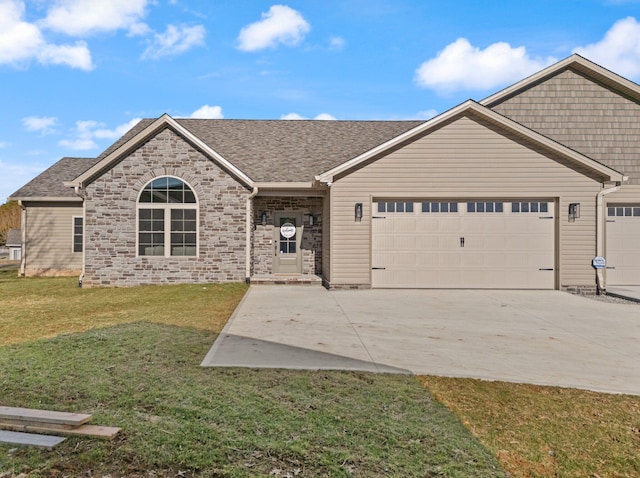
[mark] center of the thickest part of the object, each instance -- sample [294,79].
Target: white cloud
[280,25]
[619,50]
[43,124]
[86,132]
[84,17]
[337,43]
[461,66]
[139,29]
[21,42]
[76,56]
[14,175]
[207,112]
[78,144]
[292,116]
[426,114]
[175,40]
[324,117]
[296,116]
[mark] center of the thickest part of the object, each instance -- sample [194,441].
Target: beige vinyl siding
[627,193]
[463,159]
[49,241]
[584,115]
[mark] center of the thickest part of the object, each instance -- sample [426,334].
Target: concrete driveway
[540,337]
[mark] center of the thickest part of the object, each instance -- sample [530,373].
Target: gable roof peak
[577,63]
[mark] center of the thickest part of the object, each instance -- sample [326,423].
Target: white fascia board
[154,128]
[285,185]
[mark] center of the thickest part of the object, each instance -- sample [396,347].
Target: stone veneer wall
[263,245]
[110,219]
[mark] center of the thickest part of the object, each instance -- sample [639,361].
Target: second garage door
[623,244]
[470,244]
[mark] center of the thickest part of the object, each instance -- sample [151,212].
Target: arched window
[167,219]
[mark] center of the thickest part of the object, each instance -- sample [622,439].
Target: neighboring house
[521,190]
[14,244]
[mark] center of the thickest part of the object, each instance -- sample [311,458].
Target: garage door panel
[403,242]
[499,250]
[623,245]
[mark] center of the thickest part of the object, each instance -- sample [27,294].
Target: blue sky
[76,74]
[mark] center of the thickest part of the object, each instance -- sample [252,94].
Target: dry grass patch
[36,308]
[547,431]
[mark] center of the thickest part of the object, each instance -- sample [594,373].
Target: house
[521,190]
[14,244]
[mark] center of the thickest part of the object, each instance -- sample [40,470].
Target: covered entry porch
[287,245]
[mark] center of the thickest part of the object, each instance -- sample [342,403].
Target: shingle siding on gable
[110,223]
[583,115]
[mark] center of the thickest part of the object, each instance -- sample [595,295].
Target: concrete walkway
[540,337]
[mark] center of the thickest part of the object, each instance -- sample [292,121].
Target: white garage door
[471,244]
[623,244]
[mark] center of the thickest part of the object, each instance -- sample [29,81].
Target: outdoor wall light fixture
[263,218]
[574,211]
[358,211]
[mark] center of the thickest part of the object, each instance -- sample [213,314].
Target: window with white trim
[167,219]
[529,206]
[619,211]
[439,206]
[395,206]
[78,227]
[485,206]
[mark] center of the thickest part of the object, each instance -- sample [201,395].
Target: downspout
[247,270]
[79,192]
[600,283]
[23,239]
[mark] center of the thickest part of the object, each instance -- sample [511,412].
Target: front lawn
[131,358]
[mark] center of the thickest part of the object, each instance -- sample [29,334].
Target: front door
[287,238]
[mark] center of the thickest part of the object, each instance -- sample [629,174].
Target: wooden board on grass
[32,415]
[30,439]
[95,431]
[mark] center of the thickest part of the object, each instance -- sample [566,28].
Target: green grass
[36,308]
[122,355]
[548,431]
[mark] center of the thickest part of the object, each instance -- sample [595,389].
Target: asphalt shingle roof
[282,150]
[264,150]
[50,183]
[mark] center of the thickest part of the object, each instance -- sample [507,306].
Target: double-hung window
[167,219]
[77,233]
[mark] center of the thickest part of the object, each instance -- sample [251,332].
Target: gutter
[247,270]
[600,282]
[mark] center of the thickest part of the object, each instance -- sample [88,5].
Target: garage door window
[439,207]
[529,207]
[395,206]
[623,211]
[486,206]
